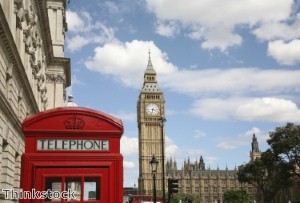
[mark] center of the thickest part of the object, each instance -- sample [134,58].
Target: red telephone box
[72,155]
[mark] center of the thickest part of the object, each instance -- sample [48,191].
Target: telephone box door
[73,185]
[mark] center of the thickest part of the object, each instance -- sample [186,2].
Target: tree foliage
[177,197]
[268,173]
[236,196]
[285,142]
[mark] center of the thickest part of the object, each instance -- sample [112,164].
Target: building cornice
[67,67]
[13,53]
[47,42]
[41,6]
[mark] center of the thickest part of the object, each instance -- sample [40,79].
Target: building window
[206,189]
[3,155]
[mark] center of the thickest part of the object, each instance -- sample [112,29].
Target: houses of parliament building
[193,177]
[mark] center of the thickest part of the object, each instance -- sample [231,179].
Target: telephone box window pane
[53,184]
[91,188]
[73,184]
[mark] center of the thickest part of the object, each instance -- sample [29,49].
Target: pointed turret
[150,69]
[201,164]
[254,144]
[255,153]
[150,82]
[175,164]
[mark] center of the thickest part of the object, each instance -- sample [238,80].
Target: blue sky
[228,69]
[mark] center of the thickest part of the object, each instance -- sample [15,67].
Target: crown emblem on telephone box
[74,123]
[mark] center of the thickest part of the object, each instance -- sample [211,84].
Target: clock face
[152,109]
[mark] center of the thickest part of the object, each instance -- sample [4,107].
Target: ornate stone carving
[60,79]
[50,78]
[55,7]
[54,78]
[20,14]
[36,67]
[45,103]
[74,123]
[41,80]
[43,93]
[32,41]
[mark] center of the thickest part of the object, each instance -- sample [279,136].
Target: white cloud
[128,164]
[262,138]
[129,145]
[248,109]
[83,31]
[216,108]
[221,38]
[79,22]
[169,29]
[285,53]
[242,140]
[210,160]
[232,81]
[171,148]
[279,30]
[199,133]
[126,116]
[214,22]
[226,145]
[111,6]
[250,133]
[131,63]
[269,109]
[76,81]
[76,42]
[74,21]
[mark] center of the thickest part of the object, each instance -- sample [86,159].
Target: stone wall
[33,73]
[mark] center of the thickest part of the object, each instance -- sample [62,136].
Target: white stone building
[33,73]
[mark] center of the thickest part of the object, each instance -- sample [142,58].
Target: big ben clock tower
[150,111]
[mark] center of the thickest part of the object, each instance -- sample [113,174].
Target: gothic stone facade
[33,73]
[209,185]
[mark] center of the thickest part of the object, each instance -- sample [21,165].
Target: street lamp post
[162,121]
[154,163]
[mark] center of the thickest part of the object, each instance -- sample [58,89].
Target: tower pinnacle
[255,153]
[150,68]
[254,144]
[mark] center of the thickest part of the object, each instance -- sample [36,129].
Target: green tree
[236,196]
[269,174]
[285,142]
[177,197]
